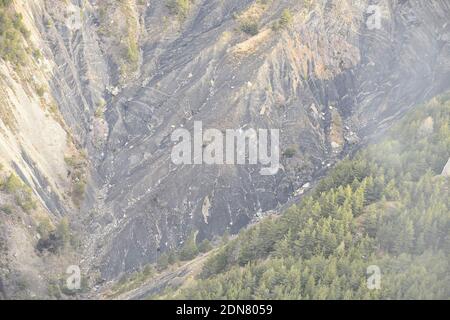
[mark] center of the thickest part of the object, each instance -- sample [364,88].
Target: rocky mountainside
[86,120]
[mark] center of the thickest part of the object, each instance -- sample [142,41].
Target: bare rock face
[446,171]
[34,143]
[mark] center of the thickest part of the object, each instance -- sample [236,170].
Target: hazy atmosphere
[224,149]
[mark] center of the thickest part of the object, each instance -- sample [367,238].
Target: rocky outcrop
[446,170]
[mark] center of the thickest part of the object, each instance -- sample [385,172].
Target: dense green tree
[189,249]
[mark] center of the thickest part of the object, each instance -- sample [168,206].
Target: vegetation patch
[285,20]
[179,8]
[289,152]
[119,27]
[23,194]
[249,18]
[100,111]
[250,27]
[78,173]
[7,209]
[54,240]
[12,34]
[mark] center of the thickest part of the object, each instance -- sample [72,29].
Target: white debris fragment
[335,145]
[205,209]
[113,90]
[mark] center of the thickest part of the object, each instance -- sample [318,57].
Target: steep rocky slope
[37,184]
[125,74]
[325,80]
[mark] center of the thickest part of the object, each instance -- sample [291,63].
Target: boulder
[446,171]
